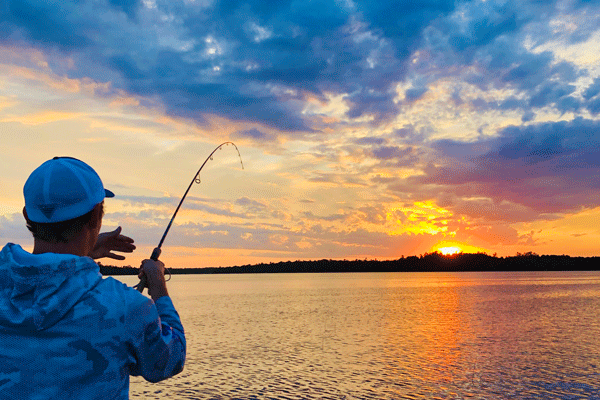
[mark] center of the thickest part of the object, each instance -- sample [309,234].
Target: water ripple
[375,336]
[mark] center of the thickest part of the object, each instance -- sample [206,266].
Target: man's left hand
[112,241]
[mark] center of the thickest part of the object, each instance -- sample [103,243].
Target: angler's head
[63,196]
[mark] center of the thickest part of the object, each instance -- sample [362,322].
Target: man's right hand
[154,271]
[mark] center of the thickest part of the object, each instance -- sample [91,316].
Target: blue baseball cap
[61,189]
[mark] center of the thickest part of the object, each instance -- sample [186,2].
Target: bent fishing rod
[157,250]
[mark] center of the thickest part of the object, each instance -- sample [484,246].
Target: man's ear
[97,214]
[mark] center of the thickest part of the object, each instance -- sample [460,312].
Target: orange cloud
[5,102]
[23,55]
[124,101]
[422,218]
[43,117]
[60,83]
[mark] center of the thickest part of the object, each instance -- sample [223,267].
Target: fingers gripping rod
[157,250]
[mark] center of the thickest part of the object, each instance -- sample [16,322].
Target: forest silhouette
[429,262]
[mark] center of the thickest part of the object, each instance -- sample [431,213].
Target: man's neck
[78,246]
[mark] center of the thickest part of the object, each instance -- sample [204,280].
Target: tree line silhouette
[428,262]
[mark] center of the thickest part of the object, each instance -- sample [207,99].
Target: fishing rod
[156,252]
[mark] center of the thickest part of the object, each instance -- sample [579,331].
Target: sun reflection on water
[387,335]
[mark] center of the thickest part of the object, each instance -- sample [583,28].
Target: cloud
[147,200]
[347,102]
[508,47]
[389,152]
[43,117]
[13,229]
[592,90]
[415,93]
[249,62]
[254,135]
[129,7]
[252,206]
[403,21]
[532,172]
[225,58]
[365,141]
[292,242]
[42,24]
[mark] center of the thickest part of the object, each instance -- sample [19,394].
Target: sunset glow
[448,251]
[360,138]
[451,247]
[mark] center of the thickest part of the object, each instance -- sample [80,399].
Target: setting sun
[452,247]
[448,251]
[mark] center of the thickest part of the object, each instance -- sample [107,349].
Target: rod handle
[155,254]
[144,281]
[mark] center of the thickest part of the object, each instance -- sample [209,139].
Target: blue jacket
[68,333]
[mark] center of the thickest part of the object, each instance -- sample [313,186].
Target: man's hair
[61,232]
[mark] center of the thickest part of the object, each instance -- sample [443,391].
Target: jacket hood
[37,290]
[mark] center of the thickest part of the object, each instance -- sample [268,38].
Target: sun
[453,247]
[449,251]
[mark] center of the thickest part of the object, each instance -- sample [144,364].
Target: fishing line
[156,252]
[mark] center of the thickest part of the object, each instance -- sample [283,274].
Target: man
[66,332]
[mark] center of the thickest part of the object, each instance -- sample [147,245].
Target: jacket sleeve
[158,344]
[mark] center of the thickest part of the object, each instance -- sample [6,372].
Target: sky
[367,129]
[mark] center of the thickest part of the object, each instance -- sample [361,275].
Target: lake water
[523,335]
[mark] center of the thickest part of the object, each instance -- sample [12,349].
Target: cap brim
[108,193]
